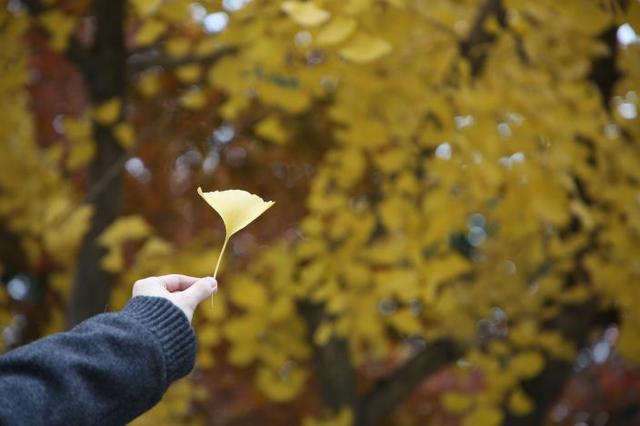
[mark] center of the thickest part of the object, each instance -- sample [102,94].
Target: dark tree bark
[474,47]
[575,322]
[103,65]
[336,375]
[376,406]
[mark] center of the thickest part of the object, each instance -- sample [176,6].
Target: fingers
[150,286]
[199,291]
[177,282]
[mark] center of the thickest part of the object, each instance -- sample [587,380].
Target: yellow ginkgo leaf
[365,48]
[237,208]
[125,134]
[336,31]
[178,47]
[272,129]
[306,14]
[59,26]
[193,99]
[149,83]
[108,112]
[519,403]
[189,73]
[150,31]
[145,8]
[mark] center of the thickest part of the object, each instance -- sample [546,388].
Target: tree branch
[604,70]
[389,392]
[335,373]
[141,61]
[474,46]
[34,7]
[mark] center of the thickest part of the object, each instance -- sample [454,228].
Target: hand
[183,291]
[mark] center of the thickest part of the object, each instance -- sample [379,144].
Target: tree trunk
[104,70]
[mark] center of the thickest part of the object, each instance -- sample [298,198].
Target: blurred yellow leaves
[177,47]
[365,48]
[282,385]
[519,403]
[307,13]
[344,417]
[193,99]
[59,26]
[440,198]
[82,149]
[189,73]
[108,112]
[336,31]
[125,134]
[150,31]
[486,416]
[248,294]
[526,364]
[126,228]
[145,8]
[455,402]
[66,225]
[271,129]
[149,83]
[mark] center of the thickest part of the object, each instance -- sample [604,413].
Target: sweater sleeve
[107,370]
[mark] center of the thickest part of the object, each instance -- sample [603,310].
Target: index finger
[177,282]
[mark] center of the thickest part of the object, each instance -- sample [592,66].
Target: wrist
[170,326]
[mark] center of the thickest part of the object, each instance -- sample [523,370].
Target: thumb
[199,291]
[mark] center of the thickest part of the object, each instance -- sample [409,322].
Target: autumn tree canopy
[456,183]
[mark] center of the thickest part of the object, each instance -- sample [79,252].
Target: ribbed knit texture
[172,329]
[105,371]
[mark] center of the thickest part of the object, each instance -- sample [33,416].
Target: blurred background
[456,235]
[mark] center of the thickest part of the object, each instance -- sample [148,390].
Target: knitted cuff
[172,329]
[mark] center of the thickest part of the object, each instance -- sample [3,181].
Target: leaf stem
[224,246]
[215,272]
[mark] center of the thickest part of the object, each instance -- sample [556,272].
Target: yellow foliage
[247,294]
[526,364]
[406,322]
[449,193]
[177,47]
[149,83]
[150,31]
[344,417]
[125,134]
[281,385]
[271,129]
[145,8]
[486,416]
[127,228]
[365,48]
[108,112]
[456,403]
[189,73]
[323,334]
[82,147]
[519,403]
[59,26]
[336,31]
[307,13]
[193,99]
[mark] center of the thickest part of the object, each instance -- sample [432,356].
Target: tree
[471,204]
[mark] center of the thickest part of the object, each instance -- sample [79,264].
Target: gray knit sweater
[105,371]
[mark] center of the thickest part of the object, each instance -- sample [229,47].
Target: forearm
[107,370]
